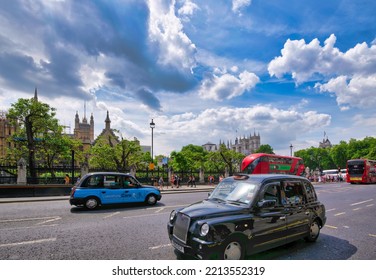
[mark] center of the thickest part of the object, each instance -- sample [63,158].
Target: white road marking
[356,209]
[331,226]
[28,227]
[330,209]
[29,219]
[361,202]
[159,246]
[50,220]
[146,215]
[28,242]
[341,213]
[111,215]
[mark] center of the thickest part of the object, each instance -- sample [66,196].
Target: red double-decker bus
[269,163]
[361,171]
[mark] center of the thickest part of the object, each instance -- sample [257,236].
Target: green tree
[110,154]
[266,148]
[35,120]
[231,158]
[191,157]
[339,154]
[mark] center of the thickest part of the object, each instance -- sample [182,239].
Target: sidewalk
[165,190]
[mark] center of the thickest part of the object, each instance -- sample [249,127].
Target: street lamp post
[152,126]
[291,150]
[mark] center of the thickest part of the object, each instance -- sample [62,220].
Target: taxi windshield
[236,192]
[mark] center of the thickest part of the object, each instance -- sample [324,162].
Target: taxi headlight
[204,229]
[172,215]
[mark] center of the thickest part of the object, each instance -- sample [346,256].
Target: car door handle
[126,191]
[103,192]
[307,212]
[282,218]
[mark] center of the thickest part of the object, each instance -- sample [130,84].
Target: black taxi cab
[247,214]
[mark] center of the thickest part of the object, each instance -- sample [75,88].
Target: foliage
[337,155]
[39,137]
[266,148]
[107,154]
[191,157]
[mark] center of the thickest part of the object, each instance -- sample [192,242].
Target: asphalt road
[49,230]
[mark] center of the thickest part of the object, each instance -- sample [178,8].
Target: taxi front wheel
[233,250]
[151,199]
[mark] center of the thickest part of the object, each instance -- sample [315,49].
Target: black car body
[247,214]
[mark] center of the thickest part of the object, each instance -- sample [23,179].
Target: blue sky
[205,71]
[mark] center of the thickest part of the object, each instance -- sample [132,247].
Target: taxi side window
[128,182]
[111,182]
[272,192]
[293,191]
[95,181]
[310,192]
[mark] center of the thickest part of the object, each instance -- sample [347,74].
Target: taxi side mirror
[266,203]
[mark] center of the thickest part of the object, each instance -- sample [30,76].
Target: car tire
[92,203]
[233,249]
[314,231]
[151,199]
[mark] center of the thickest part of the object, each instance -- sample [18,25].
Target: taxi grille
[181,227]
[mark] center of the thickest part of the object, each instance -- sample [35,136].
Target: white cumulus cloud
[174,46]
[349,75]
[227,86]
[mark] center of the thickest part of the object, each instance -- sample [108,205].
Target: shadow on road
[325,248]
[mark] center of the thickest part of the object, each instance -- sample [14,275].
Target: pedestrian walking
[67,179]
[160,183]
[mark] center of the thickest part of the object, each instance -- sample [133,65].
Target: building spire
[36,94]
[108,122]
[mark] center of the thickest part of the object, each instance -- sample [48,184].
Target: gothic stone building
[244,145]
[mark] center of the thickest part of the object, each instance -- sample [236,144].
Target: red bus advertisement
[361,171]
[268,163]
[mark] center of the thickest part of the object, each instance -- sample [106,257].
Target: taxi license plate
[178,247]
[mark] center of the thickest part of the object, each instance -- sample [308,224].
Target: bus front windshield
[238,192]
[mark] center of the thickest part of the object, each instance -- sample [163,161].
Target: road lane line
[330,209]
[333,227]
[159,210]
[372,235]
[50,220]
[369,205]
[28,219]
[111,215]
[29,227]
[361,202]
[146,215]
[356,209]
[339,214]
[159,246]
[28,242]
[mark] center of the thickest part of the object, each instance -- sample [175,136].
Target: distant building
[107,133]
[84,131]
[244,145]
[325,142]
[210,147]
[6,131]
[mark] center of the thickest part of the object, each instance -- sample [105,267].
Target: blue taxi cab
[103,188]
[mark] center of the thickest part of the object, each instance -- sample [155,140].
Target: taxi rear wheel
[91,203]
[151,199]
[314,231]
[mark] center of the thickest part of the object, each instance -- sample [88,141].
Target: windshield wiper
[237,202]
